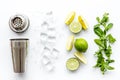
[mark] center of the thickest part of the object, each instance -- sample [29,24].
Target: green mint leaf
[99,43]
[104,24]
[98,19]
[111,38]
[98,31]
[109,26]
[103,69]
[110,61]
[105,18]
[105,14]
[108,51]
[97,25]
[109,67]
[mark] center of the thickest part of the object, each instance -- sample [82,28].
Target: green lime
[75,27]
[81,45]
[72,64]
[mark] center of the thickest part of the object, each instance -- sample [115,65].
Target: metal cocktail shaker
[19,52]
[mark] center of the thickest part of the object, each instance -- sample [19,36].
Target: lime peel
[81,45]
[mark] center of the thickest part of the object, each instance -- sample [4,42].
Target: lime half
[81,57]
[72,64]
[75,27]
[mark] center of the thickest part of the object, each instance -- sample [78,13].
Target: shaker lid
[19,23]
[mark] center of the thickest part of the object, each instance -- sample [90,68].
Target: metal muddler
[19,52]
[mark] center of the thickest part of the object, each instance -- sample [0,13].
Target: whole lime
[81,45]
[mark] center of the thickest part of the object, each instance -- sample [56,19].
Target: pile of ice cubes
[48,38]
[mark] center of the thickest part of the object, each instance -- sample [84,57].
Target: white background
[33,9]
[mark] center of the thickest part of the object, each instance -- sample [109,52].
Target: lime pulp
[75,27]
[72,64]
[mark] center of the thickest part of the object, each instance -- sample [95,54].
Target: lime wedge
[69,44]
[70,18]
[81,57]
[75,27]
[82,22]
[72,64]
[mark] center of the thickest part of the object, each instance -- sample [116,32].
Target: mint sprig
[104,42]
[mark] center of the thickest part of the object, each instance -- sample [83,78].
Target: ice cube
[49,45]
[44,25]
[43,37]
[51,27]
[46,52]
[45,60]
[51,34]
[55,53]
[51,42]
[49,67]
[51,38]
[50,19]
[49,13]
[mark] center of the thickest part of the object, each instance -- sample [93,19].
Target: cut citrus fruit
[82,22]
[72,64]
[75,27]
[69,44]
[70,18]
[81,57]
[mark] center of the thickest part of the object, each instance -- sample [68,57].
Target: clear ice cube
[51,42]
[55,53]
[49,17]
[52,34]
[45,60]
[49,13]
[43,37]
[49,67]
[44,25]
[46,52]
[51,27]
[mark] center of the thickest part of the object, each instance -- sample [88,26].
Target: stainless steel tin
[19,23]
[19,52]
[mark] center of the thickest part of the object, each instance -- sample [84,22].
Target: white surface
[33,9]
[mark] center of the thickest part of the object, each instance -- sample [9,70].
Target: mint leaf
[99,43]
[105,18]
[98,19]
[111,38]
[98,31]
[108,67]
[108,51]
[109,26]
[110,61]
[97,25]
